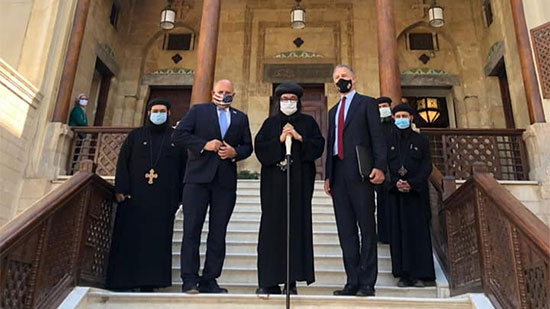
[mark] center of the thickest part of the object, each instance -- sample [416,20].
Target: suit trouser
[382,213]
[354,207]
[196,199]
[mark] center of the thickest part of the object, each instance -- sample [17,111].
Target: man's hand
[327,187]
[226,151]
[376,176]
[288,129]
[403,186]
[213,145]
[282,138]
[120,197]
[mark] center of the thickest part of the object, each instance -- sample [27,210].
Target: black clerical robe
[272,240]
[382,212]
[410,242]
[141,255]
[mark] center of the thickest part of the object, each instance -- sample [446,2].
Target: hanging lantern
[297,17]
[428,109]
[168,18]
[435,13]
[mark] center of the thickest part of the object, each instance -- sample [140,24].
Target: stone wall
[14,17]
[19,101]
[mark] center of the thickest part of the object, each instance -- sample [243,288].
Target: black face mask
[344,85]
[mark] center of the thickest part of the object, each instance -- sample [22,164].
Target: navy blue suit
[353,198]
[209,181]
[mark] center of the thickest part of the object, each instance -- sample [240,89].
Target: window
[488,12]
[181,41]
[422,41]
[115,10]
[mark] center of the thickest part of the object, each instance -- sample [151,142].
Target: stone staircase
[240,277]
[239,272]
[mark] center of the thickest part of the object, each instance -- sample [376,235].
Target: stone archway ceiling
[298,54]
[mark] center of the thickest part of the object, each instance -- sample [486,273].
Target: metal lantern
[428,109]
[168,18]
[297,17]
[435,13]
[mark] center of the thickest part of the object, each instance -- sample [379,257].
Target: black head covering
[159,101]
[381,100]
[403,108]
[289,88]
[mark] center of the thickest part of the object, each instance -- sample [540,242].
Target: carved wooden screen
[454,152]
[99,144]
[61,241]
[496,243]
[541,44]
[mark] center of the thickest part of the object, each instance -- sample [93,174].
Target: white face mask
[289,107]
[83,102]
[385,112]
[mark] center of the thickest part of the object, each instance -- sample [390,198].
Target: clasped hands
[223,149]
[288,129]
[403,186]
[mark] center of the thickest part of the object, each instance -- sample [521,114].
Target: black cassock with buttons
[141,254]
[410,243]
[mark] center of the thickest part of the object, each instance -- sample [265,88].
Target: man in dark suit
[216,136]
[354,121]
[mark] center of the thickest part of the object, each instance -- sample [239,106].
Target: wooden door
[314,103]
[505,95]
[179,97]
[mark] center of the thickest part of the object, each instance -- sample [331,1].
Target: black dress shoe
[146,290]
[404,283]
[274,290]
[293,290]
[348,290]
[190,288]
[365,290]
[211,286]
[417,283]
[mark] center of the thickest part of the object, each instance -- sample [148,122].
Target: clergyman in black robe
[148,186]
[307,146]
[382,213]
[410,166]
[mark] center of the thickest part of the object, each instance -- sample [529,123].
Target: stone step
[250,247]
[254,225]
[249,275]
[317,214]
[247,235]
[256,201]
[323,289]
[322,261]
[256,207]
[99,299]
[248,198]
[255,184]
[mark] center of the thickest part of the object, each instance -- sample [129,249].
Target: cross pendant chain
[151,175]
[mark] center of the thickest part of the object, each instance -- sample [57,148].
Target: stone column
[530,82]
[388,65]
[63,102]
[206,52]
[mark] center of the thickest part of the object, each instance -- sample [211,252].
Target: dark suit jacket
[201,125]
[362,127]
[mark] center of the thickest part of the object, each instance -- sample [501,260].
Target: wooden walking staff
[288,144]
